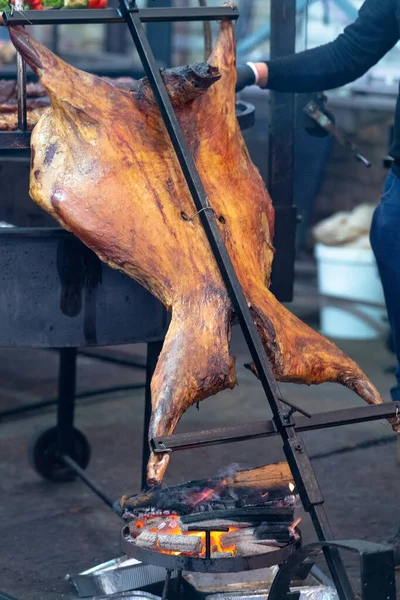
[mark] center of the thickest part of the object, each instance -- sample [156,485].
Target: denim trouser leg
[385,241]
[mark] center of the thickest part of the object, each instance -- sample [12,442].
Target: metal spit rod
[21,81]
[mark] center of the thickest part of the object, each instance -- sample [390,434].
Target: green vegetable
[52,3]
[76,4]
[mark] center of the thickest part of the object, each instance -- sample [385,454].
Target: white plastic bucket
[349,273]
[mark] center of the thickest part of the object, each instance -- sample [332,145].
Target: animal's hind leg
[194,364]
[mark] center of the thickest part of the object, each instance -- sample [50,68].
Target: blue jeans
[385,242]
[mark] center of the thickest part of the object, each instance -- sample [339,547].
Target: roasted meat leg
[104,167]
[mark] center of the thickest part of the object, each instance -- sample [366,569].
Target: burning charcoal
[248,548]
[189,544]
[234,537]
[136,527]
[221,554]
[272,531]
[147,539]
[169,522]
[216,523]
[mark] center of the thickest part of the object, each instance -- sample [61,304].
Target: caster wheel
[44,458]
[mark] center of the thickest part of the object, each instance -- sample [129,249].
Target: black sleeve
[357,49]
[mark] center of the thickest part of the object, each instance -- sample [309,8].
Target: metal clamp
[293,409]
[162,449]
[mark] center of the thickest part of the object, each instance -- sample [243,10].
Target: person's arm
[357,49]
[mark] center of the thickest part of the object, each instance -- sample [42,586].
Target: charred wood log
[147,539]
[248,548]
[254,487]
[251,515]
[187,544]
[234,537]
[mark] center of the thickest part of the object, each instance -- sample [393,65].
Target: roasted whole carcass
[104,167]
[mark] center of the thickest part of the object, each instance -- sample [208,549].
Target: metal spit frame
[303,473]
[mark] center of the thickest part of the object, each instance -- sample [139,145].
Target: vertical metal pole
[281,138]
[160,36]
[55,38]
[178,584]
[153,352]
[115,36]
[21,82]
[166,585]
[66,399]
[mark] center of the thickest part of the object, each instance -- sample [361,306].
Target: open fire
[171,533]
[249,530]
[238,513]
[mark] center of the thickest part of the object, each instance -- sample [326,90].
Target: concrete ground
[48,530]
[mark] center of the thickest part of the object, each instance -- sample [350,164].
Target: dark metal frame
[303,473]
[376,568]
[114,15]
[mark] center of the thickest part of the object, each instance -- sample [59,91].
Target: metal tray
[116,576]
[127,596]
[245,585]
[306,593]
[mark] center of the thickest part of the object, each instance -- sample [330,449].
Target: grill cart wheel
[44,456]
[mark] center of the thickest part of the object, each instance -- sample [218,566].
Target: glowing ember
[203,496]
[170,526]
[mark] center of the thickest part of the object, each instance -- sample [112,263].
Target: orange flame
[197,498]
[171,527]
[291,487]
[294,525]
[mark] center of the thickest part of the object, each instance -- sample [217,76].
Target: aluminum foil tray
[118,575]
[251,584]
[306,593]
[133,595]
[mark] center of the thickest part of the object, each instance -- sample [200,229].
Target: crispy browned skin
[103,165]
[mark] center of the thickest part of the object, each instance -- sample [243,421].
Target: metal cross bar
[250,431]
[114,15]
[303,473]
